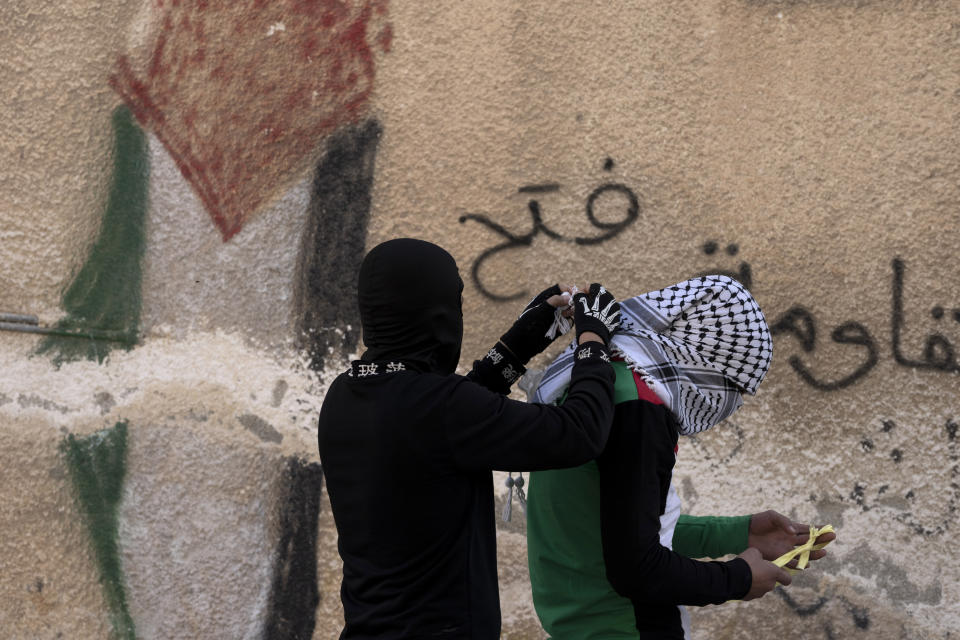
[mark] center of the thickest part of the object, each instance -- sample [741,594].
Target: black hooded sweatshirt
[408,446]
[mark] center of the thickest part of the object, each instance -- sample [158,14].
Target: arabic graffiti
[802,324]
[743,274]
[607,230]
[938,353]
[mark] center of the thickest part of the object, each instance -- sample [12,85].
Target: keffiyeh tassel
[512,483]
[561,324]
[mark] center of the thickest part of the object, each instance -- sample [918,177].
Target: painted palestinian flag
[242,94]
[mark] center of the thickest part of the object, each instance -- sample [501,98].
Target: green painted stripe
[105,295]
[97,465]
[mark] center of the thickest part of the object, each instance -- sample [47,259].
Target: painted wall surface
[187,189]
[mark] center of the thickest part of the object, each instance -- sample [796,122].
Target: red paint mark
[219,73]
[157,57]
[309,48]
[275,133]
[243,104]
[190,118]
[385,39]
[216,161]
[299,97]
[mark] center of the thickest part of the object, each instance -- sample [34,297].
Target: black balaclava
[410,298]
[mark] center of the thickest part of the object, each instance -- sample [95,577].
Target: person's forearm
[487,432]
[497,370]
[635,471]
[711,536]
[657,575]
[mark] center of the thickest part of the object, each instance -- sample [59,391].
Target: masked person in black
[407,446]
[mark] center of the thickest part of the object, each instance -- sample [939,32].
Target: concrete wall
[186,189]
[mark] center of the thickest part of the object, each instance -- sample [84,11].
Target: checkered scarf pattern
[699,345]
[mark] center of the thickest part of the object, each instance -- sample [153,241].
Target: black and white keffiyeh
[699,345]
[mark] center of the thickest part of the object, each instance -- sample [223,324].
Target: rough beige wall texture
[212,423]
[811,149]
[53,62]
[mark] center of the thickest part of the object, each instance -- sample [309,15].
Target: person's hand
[529,334]
[774,534]
[563,299]
[596,311]
[764,574]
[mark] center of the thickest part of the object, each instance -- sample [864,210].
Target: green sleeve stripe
[711,536]
[624,386]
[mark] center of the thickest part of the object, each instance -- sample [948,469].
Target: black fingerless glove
[528,335]
[597,311]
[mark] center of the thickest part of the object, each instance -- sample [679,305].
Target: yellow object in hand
[803,551]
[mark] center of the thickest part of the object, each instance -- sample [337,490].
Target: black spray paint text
[607,230]
[938,352]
